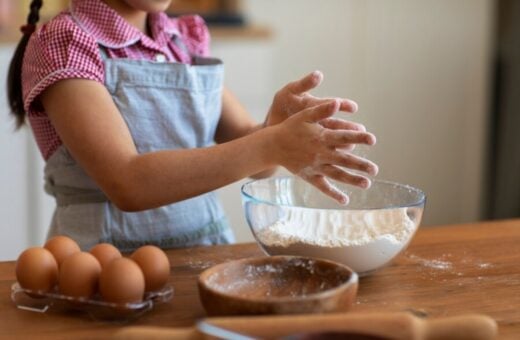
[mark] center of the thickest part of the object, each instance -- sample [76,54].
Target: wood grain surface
[446,271]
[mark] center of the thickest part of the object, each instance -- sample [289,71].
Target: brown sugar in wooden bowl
[277,285]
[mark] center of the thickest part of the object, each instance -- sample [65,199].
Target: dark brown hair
[14,77]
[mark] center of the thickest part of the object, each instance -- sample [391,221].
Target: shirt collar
[111,30]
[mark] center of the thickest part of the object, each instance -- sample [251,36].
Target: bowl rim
[353,281]
[421,200]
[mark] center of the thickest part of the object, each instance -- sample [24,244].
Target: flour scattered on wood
[197,264]
[485,265]
[435,264]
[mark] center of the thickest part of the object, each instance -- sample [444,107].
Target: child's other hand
[310,144]
[294,97]
[340,124]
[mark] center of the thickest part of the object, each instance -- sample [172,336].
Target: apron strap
[182,46]
[103,52]
[180,50]
[195,59]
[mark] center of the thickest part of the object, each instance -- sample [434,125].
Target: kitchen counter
[447,270]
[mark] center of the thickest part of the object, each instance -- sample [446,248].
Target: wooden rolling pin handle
[389,325]
[403,326]
[465,327]
[157,333]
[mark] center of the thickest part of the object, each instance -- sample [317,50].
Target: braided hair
[14,76]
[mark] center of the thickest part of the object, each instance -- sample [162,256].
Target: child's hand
[293,98]
[313,150]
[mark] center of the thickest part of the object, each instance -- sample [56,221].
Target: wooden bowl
[277,285]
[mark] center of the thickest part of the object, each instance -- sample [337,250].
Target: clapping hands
[314,145]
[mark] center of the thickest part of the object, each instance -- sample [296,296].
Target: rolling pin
[383,325]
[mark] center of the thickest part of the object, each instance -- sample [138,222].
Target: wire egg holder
[42,302]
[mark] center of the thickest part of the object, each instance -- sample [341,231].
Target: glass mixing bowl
[288,216]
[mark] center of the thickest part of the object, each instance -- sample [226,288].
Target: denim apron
[166,106]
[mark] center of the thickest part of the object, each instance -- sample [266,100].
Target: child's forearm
[154,179]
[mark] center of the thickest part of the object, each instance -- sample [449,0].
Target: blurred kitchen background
[435,81]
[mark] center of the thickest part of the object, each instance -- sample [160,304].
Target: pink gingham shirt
[68,47]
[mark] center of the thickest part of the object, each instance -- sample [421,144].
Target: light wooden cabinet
[205,6]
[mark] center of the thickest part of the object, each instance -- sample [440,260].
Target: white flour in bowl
[362,239]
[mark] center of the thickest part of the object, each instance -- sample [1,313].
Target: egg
[61,247]
[37,269]
[155,266]
[122,281]
[79,275]
[104,253]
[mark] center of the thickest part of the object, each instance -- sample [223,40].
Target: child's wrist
[267,147]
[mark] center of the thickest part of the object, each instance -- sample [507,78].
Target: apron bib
[166,106]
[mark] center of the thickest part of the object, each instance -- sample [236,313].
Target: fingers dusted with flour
[312,80]
[307,83]
[295,97]
[307,148]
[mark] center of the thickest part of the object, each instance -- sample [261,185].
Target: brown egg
[36,269]
[79,275]
[122,281]
[155,266]
[61,247]
[104,253]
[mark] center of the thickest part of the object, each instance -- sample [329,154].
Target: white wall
[14,188]
[24,209]
[418,69]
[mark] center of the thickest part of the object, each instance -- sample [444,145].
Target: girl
[137,130]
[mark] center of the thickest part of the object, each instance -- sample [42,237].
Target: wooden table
[448,270]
